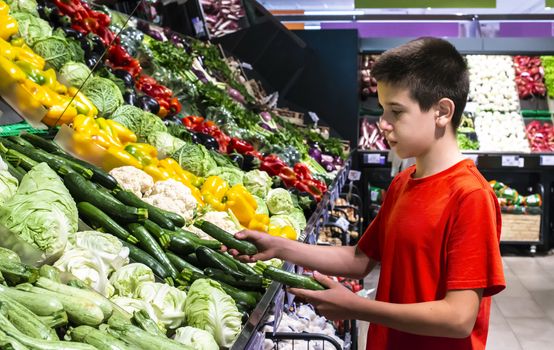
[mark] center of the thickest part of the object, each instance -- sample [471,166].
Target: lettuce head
[105,246]
[279,201]
[167,302]
[8,183]
[197,339]
[196,159]
[257,182]
[127,279]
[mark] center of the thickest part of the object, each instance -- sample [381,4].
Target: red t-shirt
[432,235]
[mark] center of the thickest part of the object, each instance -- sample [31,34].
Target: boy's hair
[431,69]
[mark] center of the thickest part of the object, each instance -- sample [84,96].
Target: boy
[437,234]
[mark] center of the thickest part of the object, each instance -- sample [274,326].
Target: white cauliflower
[222,220]
[133,179]
[173,196]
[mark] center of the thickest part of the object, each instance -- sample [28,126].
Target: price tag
[354,175]
[547,160]
[372,158]
[246,65]
[473,157]
[343,223]
[513,161]
[314,117]
[374,196]
[279,306]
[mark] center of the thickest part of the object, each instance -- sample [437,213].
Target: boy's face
[409,131]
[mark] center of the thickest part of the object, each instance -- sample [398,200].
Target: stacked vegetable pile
[371,136]
[529,76]
[541,136]
[222,16]
[512,202]
[466,134]
[548,65]
[498,124]
[369,83]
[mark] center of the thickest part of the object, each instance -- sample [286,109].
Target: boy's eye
[396,113]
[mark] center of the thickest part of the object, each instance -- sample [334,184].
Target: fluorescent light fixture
[459,14]
[312,27]
[429,8]
[334,13]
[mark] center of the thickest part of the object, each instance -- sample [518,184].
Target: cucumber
[210,258]
[222,276]
[98,300]
[140,256]
[42,143]
[100,340]
[85,191]
[289,279]
[180,263]
[244,247]
[26,321]
[210,243]
[42,307]
[240,266]
[154,214]
[150,245]
[98,174]
[96,218]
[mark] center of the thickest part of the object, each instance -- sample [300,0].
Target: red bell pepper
[302,171]
[288,176]
[239,146]
[271,164]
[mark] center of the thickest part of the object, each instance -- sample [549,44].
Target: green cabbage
[279,201]
[196,338]
[57,51]
[104,94]
[262,207]
[75,73]
[138,121]
[165,143]
[195,158]
[127,279]
[208,307]
[298,218]
[167,302]
[257,182]
[32,28]
[233,176]
[42,212]
[8,183]
[28,6]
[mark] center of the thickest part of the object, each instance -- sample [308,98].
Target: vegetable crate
[521,228]
[295,118]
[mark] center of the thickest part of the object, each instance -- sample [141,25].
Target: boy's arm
[453,317]
[335,261]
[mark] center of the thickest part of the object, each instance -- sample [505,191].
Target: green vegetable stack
[548,64]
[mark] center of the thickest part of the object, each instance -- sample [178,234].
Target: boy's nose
[384,124]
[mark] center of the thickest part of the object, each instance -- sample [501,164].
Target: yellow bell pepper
[187,175]
[285,231]
[26,54]
[116,157]
[13,70]
[60,114]
[85,124]
[158,174]
[43,94]
[213,191]
[147,150]
[8,27]
[241,203]
[106,140]
[7,50]
[83,104]
[4,9]
[260,222]
[123,134]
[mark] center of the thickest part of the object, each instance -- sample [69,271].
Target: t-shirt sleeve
[473,248]
[369,243]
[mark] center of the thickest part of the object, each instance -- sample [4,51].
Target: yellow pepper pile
[27,68]
[121,149]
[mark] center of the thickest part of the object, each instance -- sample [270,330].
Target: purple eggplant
[315,153]
[236,95]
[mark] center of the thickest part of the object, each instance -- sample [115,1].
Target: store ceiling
[502,7]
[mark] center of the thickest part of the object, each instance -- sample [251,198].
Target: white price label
[314,116]
[372,158]
[513,161]
[473,157]
[374,195]
[354,175]
[246,65]
[547,160]
[343,223]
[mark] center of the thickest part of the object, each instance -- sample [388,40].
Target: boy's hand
[332,303]
[267,246]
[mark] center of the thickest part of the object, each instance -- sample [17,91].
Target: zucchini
[9,255]
[16,273]
[140,256]
[222,276]
[20,160]
[180,263]
[244,247]
[98,174]
[40,156]
[100,340]
[26,321]
[9,343]
[150,245]
[210,243]
[154,214]
[36,344]
[96,218]
[98,300]
[241,267]
[83,190]
[42,143]
[287,278]
[42,307]
[142,320]
[50,272]
[16,172]
[192,258]
[55,320]
[140,339]
[210,258]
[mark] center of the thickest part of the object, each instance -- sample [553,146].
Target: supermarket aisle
[522,316]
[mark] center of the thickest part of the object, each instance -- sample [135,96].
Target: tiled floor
[522,316]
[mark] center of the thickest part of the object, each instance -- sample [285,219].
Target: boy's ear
[445,110]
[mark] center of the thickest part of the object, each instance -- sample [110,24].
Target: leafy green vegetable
[166,55]
[57,51]
[167,302]
[548,64]
[8,183]
[465,143]
[105,246]
[28,6]
[104,94]
[196,338]
[208,307]
[9,256]
[32,28]
[42,212]
[195,158]
[127,279]
[279,201]
[262,207]
[75,73]
[222,160]
[138,121]
[165,143]
[257,182]
[232,175]
[298,218]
